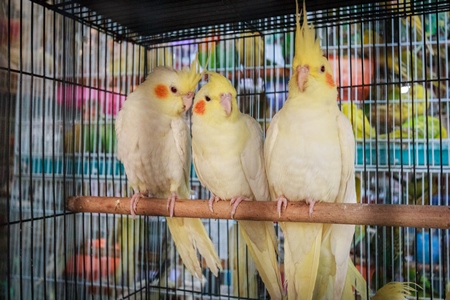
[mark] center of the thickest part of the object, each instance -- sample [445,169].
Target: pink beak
[302,77]
[225,101]
[187,100]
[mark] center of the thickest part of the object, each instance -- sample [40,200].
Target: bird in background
[309,155]
[391,291]
[250,49]
[154,146]
[227,148]
[361,125]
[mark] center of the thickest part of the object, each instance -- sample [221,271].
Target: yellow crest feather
[191,76]
[307,47]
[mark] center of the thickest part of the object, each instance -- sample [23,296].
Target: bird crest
[190,76]
[307,46]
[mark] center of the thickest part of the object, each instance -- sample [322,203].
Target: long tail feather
[244,277]
[204,244]
[355,280]
[189,235]
[259,237]
[301,257]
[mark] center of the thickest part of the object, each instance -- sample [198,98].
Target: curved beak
[302,77]
[225,101]
[187,100]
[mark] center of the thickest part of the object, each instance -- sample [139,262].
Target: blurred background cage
[66,67]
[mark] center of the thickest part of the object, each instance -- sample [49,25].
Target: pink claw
[282,202]
[171,203]
[311,207]
[133,202]
[235,202]
[211,201]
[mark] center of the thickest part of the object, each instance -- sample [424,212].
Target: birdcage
[66,67]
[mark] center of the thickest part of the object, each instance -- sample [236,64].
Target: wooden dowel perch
[422,216]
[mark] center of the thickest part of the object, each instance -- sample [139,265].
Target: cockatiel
[250,49]
[361,125]
[228,157]
[309,156]
[154,146]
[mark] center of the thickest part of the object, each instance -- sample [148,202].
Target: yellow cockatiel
[228,157]
[154,146]
[309,155]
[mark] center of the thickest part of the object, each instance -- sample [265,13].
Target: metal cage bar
[66,69]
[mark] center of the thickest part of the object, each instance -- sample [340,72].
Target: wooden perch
[422,216]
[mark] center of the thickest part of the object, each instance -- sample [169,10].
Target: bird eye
[173,89]
[322,69]
[207,98]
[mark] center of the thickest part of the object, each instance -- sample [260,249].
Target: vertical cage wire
[63,82]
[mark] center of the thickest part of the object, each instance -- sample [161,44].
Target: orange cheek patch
[330,80]
[161,91]
[200,107]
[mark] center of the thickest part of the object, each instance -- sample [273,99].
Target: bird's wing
[271,137]
[347,193]
[341,235]
[182,138]
[252,160]
[119,127]
[200,161]
[128,141]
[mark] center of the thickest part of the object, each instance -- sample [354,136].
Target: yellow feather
[394,291]
[307,47]
[361,125]
[148,129]
[250,49]
[228,158]
[448,291]
[243,267]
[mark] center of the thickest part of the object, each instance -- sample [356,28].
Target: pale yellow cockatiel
[228,157]
[154,146]
[309,155]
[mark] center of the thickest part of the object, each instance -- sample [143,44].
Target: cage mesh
[67,68]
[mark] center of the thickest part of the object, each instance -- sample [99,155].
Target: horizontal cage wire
[66,68]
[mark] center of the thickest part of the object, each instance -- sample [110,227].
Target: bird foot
[235,202]
[171,203]
[281,203]
[134,200]
[311,206]
[211,201]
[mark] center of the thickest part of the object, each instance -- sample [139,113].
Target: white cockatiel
[309,155]
[228,157]
[154,146]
